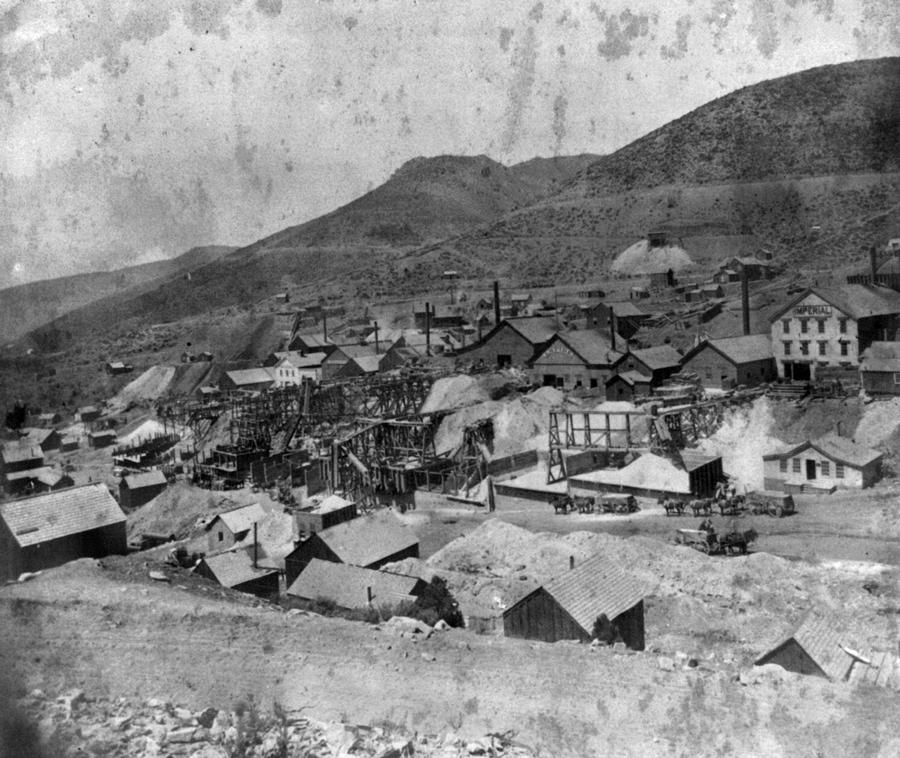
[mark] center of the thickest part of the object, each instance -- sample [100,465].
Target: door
[549,380]
[504,361]
[810,469]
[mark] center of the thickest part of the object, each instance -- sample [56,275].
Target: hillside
[761,166]
[28,306]
[428,199]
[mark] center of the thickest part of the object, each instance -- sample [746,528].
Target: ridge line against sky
[134,131]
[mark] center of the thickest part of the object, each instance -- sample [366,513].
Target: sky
[131,131]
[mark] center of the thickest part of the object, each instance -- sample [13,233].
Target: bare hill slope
[761,166]
[28,306]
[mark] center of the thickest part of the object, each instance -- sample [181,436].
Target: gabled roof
[235,567]
[592,347]
[296,359]
[17,453]
[348,586]
[369,539]
[593,587]
[535,329]
[854,300]
[88,409]
[32,473]
[145,479]
[250,376]
[626,309]
[658,357]
[630,378]
[331,503]
[838,449]
[368,363]
[313,340]
[51,477]
[820,638]
[744,349]
[41,518]
[881,356]
[35,436]
[241,519]
[694,459]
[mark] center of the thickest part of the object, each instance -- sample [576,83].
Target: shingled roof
[369,539]
[348,586]
[235,567]
[592,347]
[593,587]
[241,519]
[145,479]
[820,638]
[41,518]
[658,357]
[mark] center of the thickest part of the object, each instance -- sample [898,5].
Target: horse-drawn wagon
[731,543]
[771,503]
[618,503]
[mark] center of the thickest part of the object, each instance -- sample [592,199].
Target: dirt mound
[150,385]
[745,436]
[641,258]
[453,392]
[880,420]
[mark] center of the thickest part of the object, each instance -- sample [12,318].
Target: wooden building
[333,510]
[137,489]
[354,587]
[879,368]
[732,361]
[828,462]
[832,327]
[514,342]
[47,530]
[102,438]
[368,541]
[627,385]
[628,317]
[816,648]
[291,369]
[583,358]
[88,413]
[17,457]
[249,380]
[572,606]
[230,527]
[237,570]
[114,368]
[658,363]
[45,439]
[305,344]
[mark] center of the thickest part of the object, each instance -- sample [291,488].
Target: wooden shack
[815,648]
[368,541]
[593,596]
[47,530]
[333,510]
[354,587]
[239,570]
[137,489]
[230,527]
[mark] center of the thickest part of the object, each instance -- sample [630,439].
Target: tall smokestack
[369,595]
[745,302]
[612,328]
[873,263]
[376,339]
[324,325]
[427,328]
[255,547]
[496,303]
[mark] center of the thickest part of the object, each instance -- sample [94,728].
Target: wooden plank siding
[539,617]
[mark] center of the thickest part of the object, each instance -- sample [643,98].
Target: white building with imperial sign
[831,327]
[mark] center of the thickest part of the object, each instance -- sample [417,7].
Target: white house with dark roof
[832,327]
[50,529]
[229,527]
[825,463]
[570,606]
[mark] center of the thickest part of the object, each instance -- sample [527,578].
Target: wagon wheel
[779,511]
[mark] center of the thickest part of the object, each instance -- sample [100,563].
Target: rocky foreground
[73,724]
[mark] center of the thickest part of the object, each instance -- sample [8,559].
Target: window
[221,536]
[707,372]
[839,470]
[823,347]
[593,384]
[782,465]
[845,348]
[896,378]
[821,326]
[804,325]
[787,348]
[842,323]
[826,468]
[804,347]
[796,465]
[786,325]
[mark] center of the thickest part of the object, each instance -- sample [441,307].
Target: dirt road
[78,627]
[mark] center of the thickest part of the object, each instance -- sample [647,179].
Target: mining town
[610,466]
